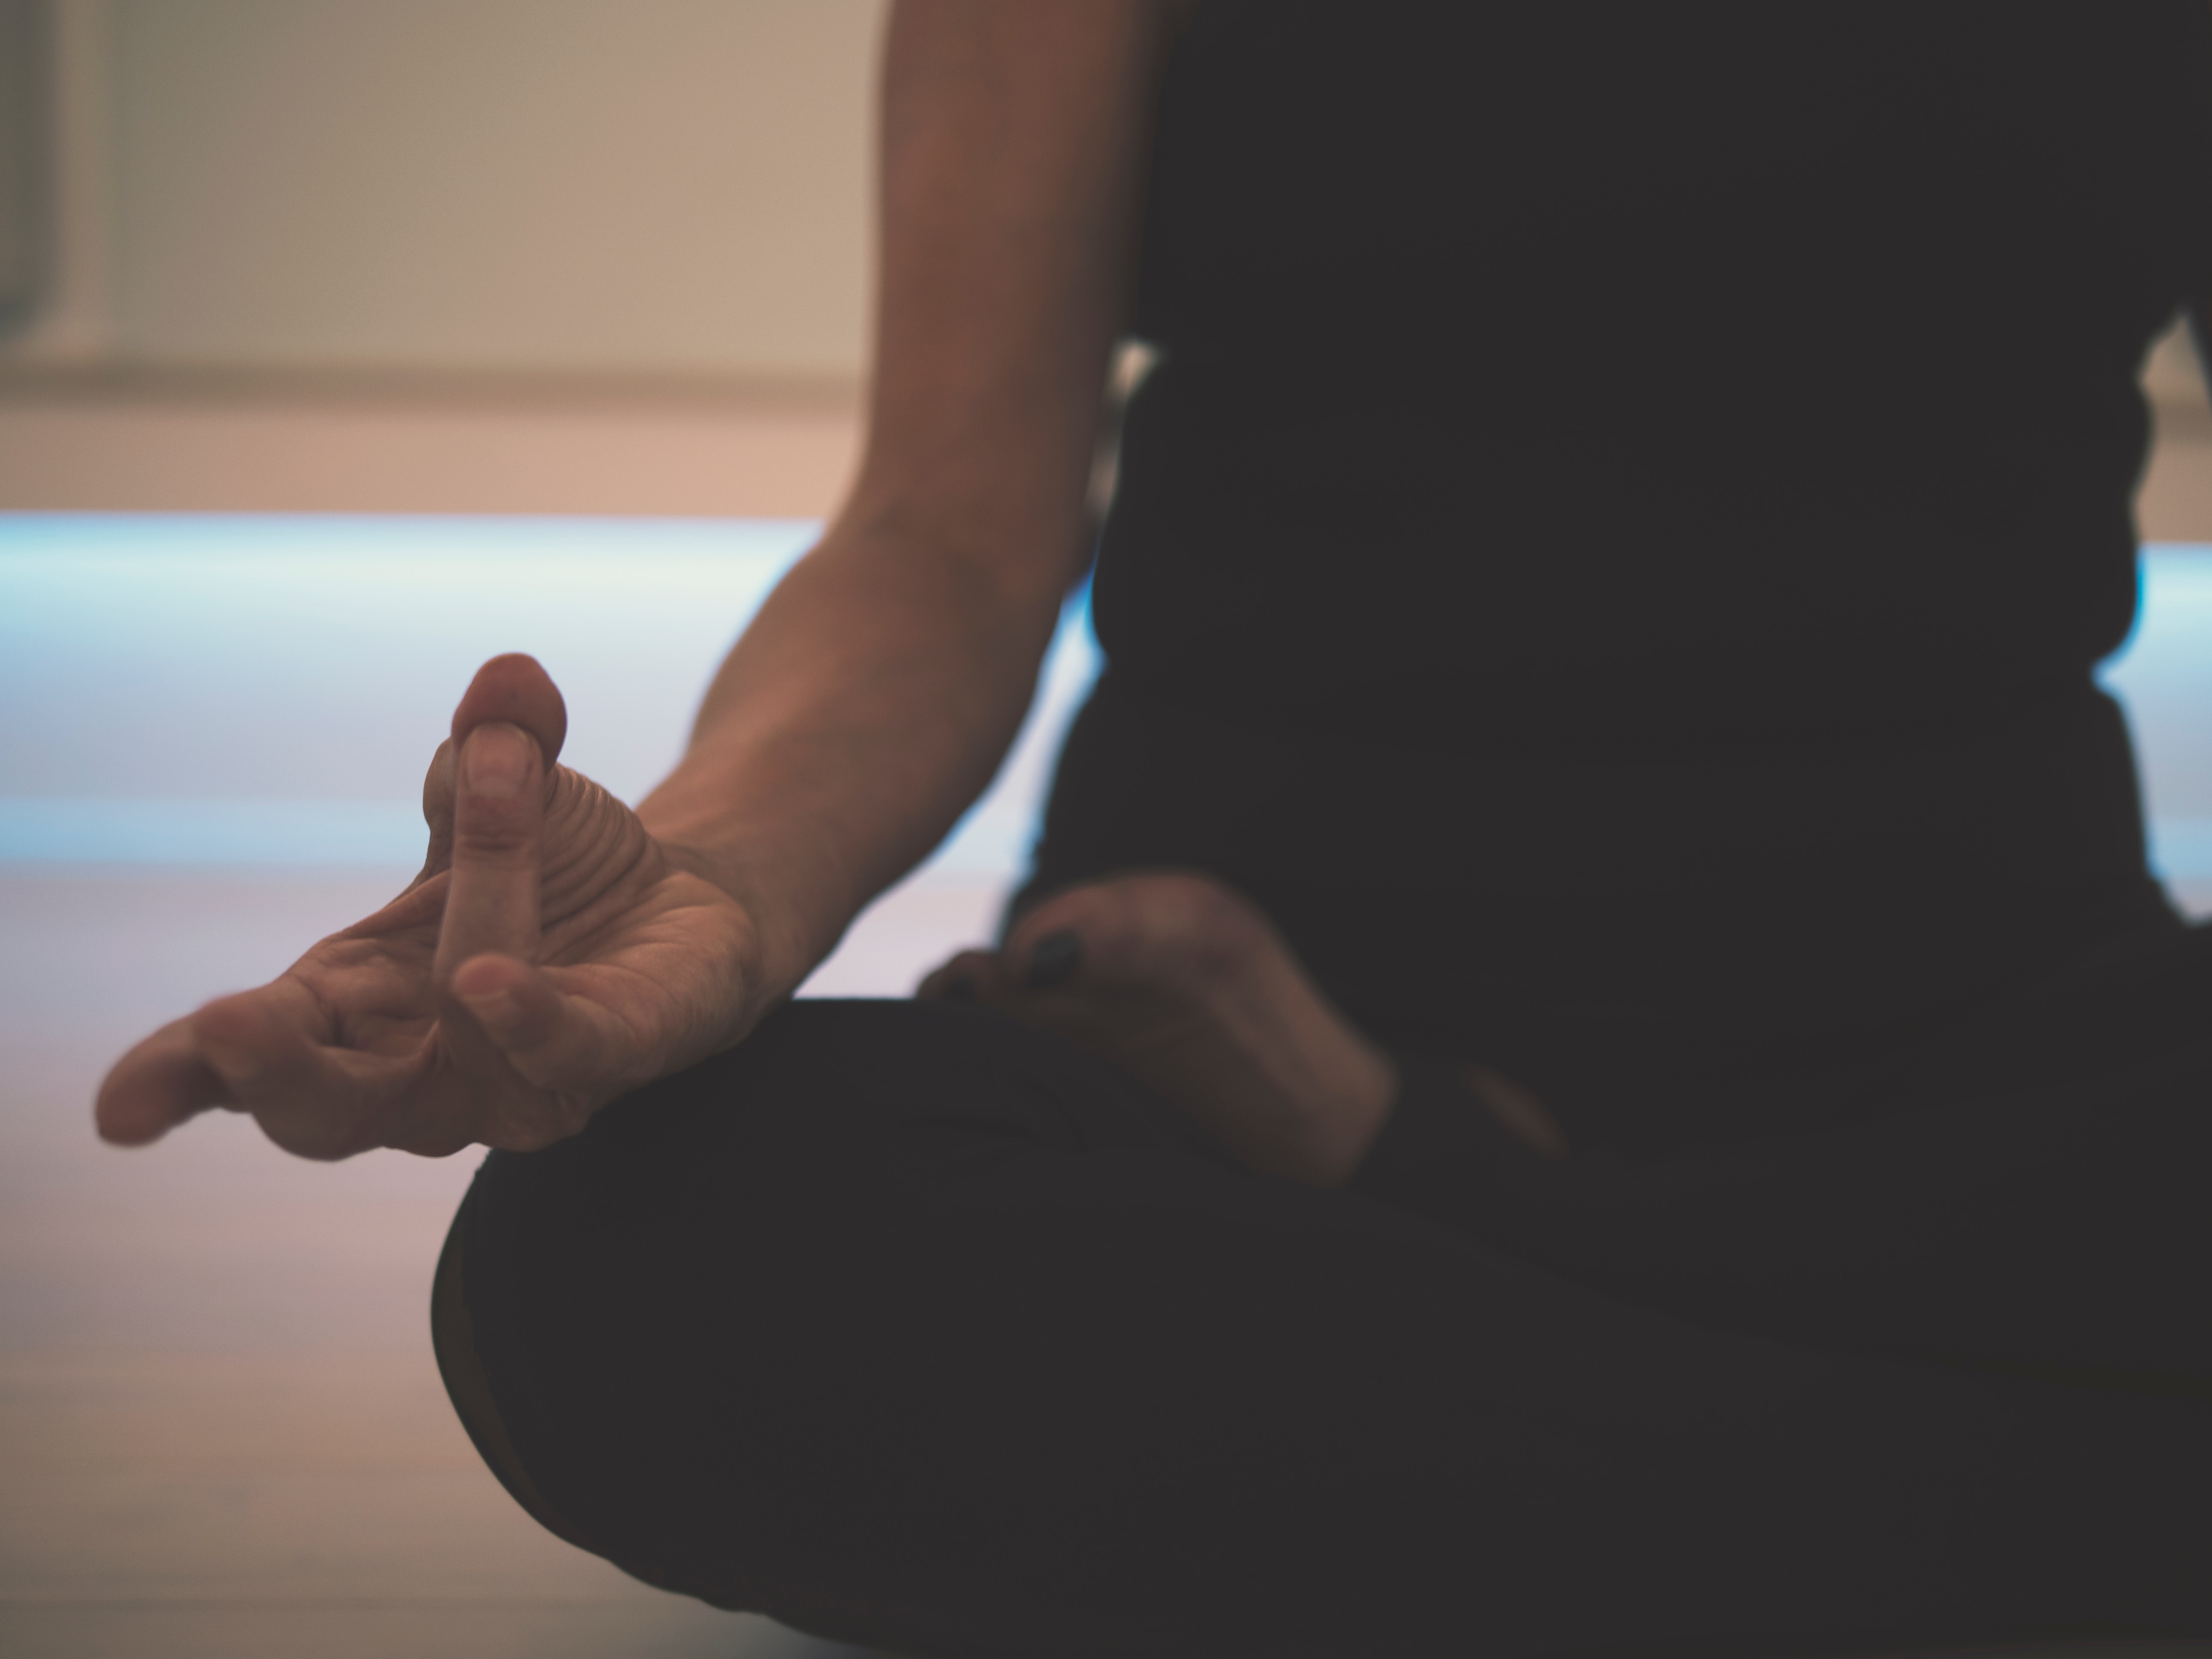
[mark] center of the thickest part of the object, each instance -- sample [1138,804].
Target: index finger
[160,1082]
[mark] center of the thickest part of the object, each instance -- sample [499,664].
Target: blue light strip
[292,835]
[213,834]
[242,692]
[268,686]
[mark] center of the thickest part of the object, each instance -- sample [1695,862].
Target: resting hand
[551,956]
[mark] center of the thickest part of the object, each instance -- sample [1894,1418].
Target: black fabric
[1606,930]
[1760,372]
[1613,554]
[1611,562]
[908,1325]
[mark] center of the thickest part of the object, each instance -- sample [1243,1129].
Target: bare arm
[874,695]
[558,949]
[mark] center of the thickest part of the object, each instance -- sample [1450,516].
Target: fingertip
[121,1126]
[113,1119]
[498,1012]
[1053,960]
[515,689]
[510,999]
[155,1087]
[1053,933]
[488,975]
[949,985]
[966,977]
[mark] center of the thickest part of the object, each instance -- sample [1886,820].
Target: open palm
[551,956]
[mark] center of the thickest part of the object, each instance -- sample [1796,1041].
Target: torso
[1516,347]
[1593,446]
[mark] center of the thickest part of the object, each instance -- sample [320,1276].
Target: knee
[739,1182]
[728,1246]
[819,1081]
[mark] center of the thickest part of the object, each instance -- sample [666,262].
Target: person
[1589,1061]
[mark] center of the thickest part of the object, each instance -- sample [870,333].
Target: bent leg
[2030,1192]
[907,1324]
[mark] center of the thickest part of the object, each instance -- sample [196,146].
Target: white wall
[617,188]
[665,186]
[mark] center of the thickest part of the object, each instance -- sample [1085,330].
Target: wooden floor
[222,1431]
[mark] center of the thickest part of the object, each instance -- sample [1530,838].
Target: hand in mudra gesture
[551,956]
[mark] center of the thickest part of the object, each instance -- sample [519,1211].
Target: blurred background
[525,256]
[343,344]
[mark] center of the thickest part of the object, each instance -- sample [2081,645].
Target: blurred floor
[220,1430]
[120,439]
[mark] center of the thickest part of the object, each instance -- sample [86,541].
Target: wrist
[787,938]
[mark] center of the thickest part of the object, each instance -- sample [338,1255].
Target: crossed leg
[910,1324]
[2021,1189]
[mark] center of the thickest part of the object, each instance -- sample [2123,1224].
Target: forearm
[876,692]
[865,707]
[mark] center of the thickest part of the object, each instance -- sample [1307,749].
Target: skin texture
[558,948]
[1182,981]
[551,955]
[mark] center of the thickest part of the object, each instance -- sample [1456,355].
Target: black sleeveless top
[1608,451]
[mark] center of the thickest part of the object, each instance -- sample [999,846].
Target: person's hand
[551,956]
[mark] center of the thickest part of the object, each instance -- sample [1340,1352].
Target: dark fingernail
[959,988]
[1054,961]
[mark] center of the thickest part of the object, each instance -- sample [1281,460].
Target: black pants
[907,1325]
